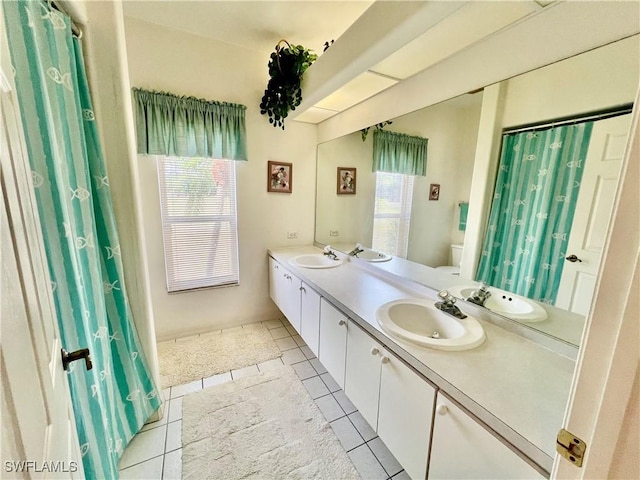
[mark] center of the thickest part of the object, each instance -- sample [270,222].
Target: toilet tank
[456,254]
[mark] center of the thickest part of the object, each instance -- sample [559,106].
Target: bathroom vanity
[489,412]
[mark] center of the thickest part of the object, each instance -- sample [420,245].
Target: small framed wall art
[346,180]
[279,177]
[434,191]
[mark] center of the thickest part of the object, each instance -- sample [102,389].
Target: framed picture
[346,180]
[279,177]
[434,191]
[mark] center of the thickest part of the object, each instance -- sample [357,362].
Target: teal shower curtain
[112,401]
[532,212]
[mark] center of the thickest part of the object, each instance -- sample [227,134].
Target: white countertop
[517,387]
[561,324]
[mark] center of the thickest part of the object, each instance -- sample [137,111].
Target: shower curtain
[112,401]
[532,211]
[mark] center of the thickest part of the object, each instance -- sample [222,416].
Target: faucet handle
[446,297]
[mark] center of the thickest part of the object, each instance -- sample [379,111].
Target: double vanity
[452,396]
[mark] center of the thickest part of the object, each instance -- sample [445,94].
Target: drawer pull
[375,351]
[442,409]
[341,322]
[384,359]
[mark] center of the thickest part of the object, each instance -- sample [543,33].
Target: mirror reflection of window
[392,213]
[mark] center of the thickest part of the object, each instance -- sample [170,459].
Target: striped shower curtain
[532,211]
[113,400]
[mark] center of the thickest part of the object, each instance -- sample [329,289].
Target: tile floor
[156,452]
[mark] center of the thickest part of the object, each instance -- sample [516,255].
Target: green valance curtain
[176,126]
[399,153]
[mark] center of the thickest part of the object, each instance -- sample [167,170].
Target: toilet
[456,258]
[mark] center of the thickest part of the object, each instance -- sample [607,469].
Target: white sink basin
[314,260]
[506,303]
[373,256]
[418,321]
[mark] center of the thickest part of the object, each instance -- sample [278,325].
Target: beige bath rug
[260,427]
[189,359]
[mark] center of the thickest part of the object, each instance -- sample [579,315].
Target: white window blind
[392,213]
[199,222]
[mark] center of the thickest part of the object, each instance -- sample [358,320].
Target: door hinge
[571,447]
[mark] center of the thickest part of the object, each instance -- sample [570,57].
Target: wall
[183,64]
[601,78]
[350,215]
[452,129]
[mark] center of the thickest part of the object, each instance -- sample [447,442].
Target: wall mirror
[603,79]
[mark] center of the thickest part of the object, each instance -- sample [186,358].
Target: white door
[609,357]
[333,341]
[310,318]
[593,213]
[405,431]
[461,448]
[39,438]
[362,373]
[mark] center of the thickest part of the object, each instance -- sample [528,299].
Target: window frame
[404,216]
[174,284]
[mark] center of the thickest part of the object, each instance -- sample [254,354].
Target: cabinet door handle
[384,359]
[302,289]
[374,351]
[341,322]
[276,267]
[442,409]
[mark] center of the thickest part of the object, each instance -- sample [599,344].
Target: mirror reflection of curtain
[532,211]
[397,159]
[113,400]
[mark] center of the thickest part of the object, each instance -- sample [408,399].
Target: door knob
[68,357]
[573,259]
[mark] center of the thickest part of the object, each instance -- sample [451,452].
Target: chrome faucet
[480,295]
[448,305]
[356,251]
[330,253]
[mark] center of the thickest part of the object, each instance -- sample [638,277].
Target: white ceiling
[256,25]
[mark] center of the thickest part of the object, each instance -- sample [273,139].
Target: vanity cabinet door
[404,414]
[310,317]
[362,377]
[284,289]
[333,340]
[463,449]
[274,272]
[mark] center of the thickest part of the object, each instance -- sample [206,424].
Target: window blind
[199,222]
[392,213]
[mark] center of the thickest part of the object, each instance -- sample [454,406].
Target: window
[391,217]
[199,223]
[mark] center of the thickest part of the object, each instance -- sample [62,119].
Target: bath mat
[202,356]
[260,427]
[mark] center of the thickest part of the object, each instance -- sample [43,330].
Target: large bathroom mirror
[600,80]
